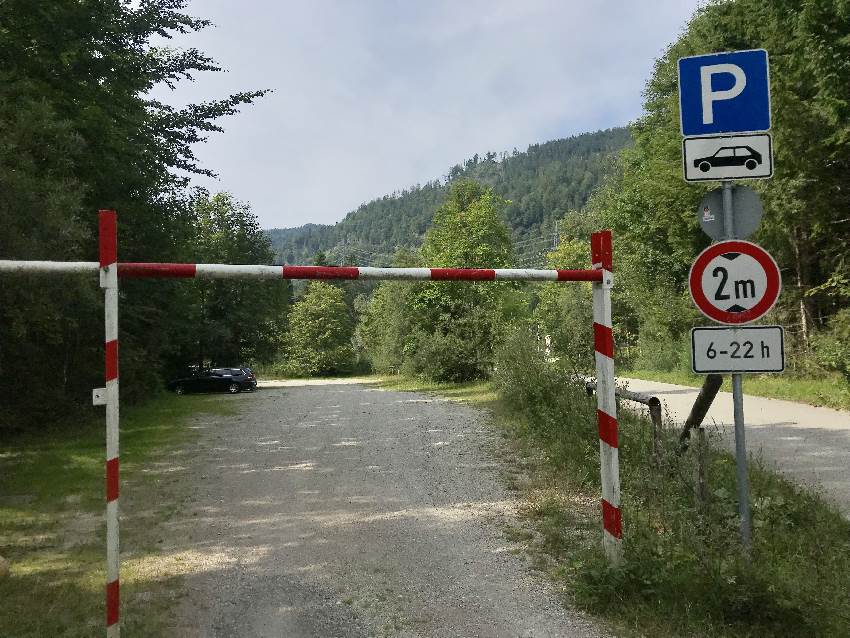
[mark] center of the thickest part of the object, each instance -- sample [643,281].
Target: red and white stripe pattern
[230,271]
[225,271]
[603,338]
[109,283]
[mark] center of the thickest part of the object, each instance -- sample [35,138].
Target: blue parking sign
[724,93]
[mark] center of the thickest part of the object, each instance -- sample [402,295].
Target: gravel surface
[338,510]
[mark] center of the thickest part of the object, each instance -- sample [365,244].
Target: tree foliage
[652,210]
[320,332]
[81,133]
[446,330]
[231,321]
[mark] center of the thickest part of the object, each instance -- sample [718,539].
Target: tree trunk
[801,272]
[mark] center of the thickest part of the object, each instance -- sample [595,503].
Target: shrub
[832,347]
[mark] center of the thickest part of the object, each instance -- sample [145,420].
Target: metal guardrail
[655,415]
[707,394]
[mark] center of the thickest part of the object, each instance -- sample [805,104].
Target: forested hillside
[653,211]
[540,184]
[81,133]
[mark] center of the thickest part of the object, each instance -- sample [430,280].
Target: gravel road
[339,510]
[810,445]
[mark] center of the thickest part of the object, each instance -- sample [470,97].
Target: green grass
[831,391]
[51,521]
[476,393]
[685,573]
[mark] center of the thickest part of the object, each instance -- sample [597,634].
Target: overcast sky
[372,97]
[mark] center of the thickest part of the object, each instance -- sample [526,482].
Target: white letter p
[709,96]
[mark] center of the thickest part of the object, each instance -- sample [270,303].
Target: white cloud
[372,97]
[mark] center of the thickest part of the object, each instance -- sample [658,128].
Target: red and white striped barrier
[228,271]
[606,412]
[109,283]
[110,272]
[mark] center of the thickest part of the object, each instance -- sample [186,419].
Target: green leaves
[79,134]
[446,330]
[320,332]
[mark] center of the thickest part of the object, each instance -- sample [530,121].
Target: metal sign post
[724,105]
[742,478]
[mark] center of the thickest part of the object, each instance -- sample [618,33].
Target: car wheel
[180,390]
[751,164]
[233,388]
[705,167]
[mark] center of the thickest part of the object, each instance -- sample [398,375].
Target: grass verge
[832,391]
[51,520]
[685,573]
[476,393]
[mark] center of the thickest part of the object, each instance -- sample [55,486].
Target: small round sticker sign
[734,282]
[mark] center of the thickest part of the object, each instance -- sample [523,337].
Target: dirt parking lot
[341,510]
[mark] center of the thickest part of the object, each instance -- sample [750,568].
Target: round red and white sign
[734,282]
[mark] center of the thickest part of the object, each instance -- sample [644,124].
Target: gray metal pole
[741,463]
[738,405]
[728,214]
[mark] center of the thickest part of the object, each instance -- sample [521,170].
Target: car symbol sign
[734,282]
[727,157]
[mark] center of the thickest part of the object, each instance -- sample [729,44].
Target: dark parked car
[230,380]
[730,156]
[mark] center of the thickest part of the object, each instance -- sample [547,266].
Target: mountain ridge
[540,184]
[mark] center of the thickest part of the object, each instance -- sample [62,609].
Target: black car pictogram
[730,156]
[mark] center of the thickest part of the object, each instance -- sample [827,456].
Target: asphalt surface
[808,444]
[339,510]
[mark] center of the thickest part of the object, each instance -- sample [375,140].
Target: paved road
[809,444]
[338,510]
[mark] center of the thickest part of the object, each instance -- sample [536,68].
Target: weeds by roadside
[51,521]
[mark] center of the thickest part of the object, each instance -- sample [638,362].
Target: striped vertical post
[606,412]
[109,283]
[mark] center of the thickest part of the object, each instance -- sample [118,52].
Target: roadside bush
[832,347]
[548,396]
[564,314]
[459,349]
[663,353]
[383,333]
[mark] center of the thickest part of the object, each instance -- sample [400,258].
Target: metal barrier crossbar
[131,270]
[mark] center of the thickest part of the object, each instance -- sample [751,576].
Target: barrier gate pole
[109,282]
[606,413]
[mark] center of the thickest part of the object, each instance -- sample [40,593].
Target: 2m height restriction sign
[734,282]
